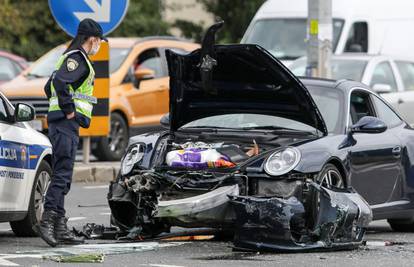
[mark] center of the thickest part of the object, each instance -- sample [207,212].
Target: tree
[236,14]
[27,27]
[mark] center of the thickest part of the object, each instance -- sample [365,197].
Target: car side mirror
[23,112]
[382,88]
[165,121]
[369,124]
[142,74]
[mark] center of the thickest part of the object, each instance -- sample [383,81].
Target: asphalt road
[88,204]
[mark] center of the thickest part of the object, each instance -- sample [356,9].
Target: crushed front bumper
[336,221]
[279,225]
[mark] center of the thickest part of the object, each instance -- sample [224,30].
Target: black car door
[375,158]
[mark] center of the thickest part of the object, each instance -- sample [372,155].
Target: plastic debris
[83,258]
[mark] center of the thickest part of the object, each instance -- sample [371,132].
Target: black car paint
[241,71]
[367,160]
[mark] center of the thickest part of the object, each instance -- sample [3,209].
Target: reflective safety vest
[82,96]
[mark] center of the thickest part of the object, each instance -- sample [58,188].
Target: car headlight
[135,154]
[282,162]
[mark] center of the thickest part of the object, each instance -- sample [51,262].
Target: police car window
[383,75]
[3,111]
[386,114]
[151,59]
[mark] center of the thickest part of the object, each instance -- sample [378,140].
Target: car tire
[402,225]
[113,147]
[25,227]
[336,179]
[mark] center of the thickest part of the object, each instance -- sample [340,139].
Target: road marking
[105,213]
[4,258]
[72,219]
[4,262]
[160,265]
[96,187]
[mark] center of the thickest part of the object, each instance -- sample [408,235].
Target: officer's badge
[71,64]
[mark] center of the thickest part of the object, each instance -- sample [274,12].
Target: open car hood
[240,78]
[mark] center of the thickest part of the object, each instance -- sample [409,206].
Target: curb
[102,172]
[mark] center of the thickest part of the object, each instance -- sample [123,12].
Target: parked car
[11,66]
[392,77]
[358,26]
[139,88]
[25,160]
[250,148]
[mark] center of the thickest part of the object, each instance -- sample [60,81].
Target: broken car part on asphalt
[204,171]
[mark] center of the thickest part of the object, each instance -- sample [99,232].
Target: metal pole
[86,149]
[319,40]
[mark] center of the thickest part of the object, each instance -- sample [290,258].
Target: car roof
[122,42]
[342,85]
[12,56]
[366,57]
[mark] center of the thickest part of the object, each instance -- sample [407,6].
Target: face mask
[95,49]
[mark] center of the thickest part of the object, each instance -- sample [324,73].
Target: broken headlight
[134,154]
[282,162]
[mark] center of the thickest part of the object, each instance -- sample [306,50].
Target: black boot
[63,235]
[47,227]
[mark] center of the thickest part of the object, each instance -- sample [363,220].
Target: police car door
[14,171]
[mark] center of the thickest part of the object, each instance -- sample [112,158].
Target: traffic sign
[108,13]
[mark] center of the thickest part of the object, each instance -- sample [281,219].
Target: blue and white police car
[25,168]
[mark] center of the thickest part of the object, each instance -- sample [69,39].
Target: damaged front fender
[283,225]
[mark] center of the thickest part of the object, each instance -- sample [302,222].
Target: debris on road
[82,258]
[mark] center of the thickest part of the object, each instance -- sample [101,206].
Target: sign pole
[86,150]
[319,40]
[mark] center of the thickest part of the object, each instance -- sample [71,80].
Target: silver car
[392,77]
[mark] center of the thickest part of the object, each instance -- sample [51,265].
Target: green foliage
[143,19]
[27,27]
[189,29]
[236,14]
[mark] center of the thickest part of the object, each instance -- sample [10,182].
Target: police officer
[70,94]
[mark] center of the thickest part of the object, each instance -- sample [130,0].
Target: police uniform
[69,89]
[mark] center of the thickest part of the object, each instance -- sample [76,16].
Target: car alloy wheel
[40,193]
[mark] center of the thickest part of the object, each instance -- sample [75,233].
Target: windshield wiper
[210,127]
[279,129]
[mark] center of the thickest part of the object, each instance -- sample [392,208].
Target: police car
[25,168]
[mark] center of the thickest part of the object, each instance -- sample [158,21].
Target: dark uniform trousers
[64,136]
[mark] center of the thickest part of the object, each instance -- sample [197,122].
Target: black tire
[402,225]
[113,147]
[25,227]
[336,180]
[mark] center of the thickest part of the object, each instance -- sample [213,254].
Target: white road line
[105,213]
[96,187]
[4,258]
[4,262]
[72,219]
[160,265]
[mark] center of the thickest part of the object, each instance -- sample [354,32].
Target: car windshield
[285,38]
[329,103]
[351,69]
[45,66]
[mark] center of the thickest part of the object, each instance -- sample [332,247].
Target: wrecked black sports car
[279,162]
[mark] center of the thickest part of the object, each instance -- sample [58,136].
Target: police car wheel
[41,183]
[112,148]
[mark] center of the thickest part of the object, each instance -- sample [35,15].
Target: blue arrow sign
[108,13]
